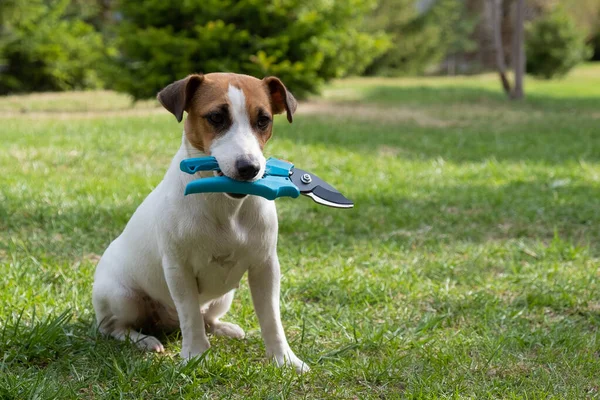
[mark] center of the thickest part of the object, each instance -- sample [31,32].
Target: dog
[180,258]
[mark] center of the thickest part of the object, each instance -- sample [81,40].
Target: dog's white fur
[180,258]
[239,140]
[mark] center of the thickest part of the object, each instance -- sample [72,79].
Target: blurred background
[469,267]
[138,47]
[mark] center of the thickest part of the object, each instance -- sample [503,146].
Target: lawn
[469,267]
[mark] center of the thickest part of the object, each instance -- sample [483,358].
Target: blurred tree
[595,40]
[518,46]
[555,45]
[496,22]
[423,33]
[42,48]
[519,59]
[595,43]
[460,40]
[585,14]
[304,42]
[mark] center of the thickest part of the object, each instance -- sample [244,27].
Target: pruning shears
[281,179]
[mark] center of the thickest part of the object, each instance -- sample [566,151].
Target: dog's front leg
[184,292]
[264,283]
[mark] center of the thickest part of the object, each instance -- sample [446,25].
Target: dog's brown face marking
[209,106]
[211,110]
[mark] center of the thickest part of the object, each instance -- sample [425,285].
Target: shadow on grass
[63,347]
[462,213]
[60,356]
[76,362]
[53,231]
[425,96]
[453,213]
[562,130]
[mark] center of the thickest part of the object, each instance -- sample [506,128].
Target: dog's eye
[263,122]
[216,119]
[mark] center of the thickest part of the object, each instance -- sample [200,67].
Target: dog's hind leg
[216,309]
[144,342]
[118,312]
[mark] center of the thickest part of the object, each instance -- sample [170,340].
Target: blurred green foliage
[585,13]
[139,47]
[555,44]
[595,41]
[45,45]
[421,38]
[596,46]
[303,42]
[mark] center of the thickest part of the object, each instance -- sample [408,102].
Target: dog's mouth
[236,195]
[231,195]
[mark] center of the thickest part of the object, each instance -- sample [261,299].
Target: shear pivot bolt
[306,178]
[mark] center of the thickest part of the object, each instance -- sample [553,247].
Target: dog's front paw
[299,366]
[289,359]
[189,352]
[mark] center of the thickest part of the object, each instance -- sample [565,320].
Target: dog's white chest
[217,274]
[220,261]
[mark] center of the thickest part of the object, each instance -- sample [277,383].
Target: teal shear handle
[276,167]
[193,165]
[269,187]
[280,179]
[275,183]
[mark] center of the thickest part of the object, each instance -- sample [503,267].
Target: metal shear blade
[317,189]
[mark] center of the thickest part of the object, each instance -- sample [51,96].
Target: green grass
[469,267]
[71,102]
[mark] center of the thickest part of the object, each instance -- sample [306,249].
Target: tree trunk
[518,49]
[496,11]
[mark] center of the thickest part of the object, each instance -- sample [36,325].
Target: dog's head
[230,117]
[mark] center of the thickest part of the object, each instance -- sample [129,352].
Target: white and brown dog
[180,258]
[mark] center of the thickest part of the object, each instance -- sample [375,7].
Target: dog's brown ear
[177,96]
[281,98]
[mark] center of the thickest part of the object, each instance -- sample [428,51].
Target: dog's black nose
[247,168]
